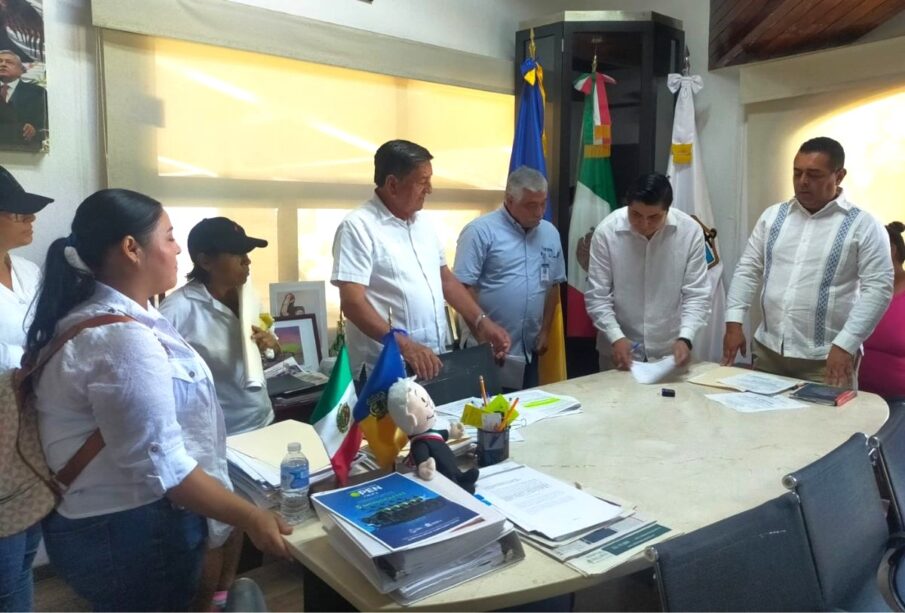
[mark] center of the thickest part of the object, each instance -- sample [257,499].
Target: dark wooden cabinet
[637,49]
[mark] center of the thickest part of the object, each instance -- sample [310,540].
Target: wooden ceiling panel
[743,31]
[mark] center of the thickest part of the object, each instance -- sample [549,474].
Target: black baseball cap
[14,198]
[221,235]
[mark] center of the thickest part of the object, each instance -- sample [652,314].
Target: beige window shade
[286,147]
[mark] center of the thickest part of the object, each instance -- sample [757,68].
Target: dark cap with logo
[221,235]
[14,199]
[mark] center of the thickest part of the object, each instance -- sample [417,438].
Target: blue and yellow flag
[379,429]
[530,141]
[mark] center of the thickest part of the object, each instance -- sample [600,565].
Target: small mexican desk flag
[332,418]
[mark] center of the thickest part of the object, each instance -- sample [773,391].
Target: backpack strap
[95,441]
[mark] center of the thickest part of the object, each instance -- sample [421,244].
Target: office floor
[280,581]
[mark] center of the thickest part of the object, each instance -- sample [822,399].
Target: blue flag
[379,429]
[528,144]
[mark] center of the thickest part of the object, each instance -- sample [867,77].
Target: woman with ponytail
[129,533]
[883,367]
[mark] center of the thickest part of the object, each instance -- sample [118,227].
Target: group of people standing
[148,396]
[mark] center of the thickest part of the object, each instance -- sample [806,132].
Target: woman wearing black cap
[19,282]
[205,311]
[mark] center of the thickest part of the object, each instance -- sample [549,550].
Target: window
[286,147]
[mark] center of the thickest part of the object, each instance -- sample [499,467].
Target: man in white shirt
[647,293]
[826,273]
[389,263]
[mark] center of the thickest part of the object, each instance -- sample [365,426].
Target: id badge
[545,273]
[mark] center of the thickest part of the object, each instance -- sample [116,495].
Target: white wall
[73,168]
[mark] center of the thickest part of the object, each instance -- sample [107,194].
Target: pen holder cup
[492,447]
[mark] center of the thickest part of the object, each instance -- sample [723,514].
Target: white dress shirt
[151,395]
[827,278]
[15,310]
[399,264]
[216,334]
[649,291]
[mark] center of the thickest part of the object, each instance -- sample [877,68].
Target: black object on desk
[293,398]
[459,376]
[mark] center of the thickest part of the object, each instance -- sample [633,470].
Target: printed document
[759,383]
[747,402]
[653,372]
[539,503]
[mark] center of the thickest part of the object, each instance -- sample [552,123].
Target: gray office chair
[846,526]
[888,448]
[758,560]
[245,595]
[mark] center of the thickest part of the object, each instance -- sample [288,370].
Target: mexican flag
[595,197]
[332,418]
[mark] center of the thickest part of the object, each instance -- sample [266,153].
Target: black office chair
[459,376]
[758,560]
[245,595]
[888,448]
[846,527]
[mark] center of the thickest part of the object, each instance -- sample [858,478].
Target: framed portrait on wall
[302,298]
[298,337]
[23,81]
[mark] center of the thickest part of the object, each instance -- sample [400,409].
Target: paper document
[534,405]
[759,383]
[652,372]
[748,402]
[269,444]
[512,372]
[621,550]
[540,503]
[250,314]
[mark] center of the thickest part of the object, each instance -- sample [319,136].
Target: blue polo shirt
[511,271]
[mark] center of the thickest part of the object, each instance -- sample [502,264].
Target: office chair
[245,595]
[758,560]
[846,527]
[458,378]
[888,451]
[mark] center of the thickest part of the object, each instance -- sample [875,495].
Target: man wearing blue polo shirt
[512,260]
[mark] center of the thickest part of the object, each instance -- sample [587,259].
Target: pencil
[483,390]
[505,420]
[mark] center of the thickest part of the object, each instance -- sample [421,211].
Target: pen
[483,390]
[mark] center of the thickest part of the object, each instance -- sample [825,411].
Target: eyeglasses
[18,217]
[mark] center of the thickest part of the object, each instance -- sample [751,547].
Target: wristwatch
[479,319]
[687,342]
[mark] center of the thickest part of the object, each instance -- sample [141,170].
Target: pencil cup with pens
[492,420]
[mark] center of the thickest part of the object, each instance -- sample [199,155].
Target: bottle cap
[294,447]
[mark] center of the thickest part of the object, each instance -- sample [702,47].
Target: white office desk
[685,461]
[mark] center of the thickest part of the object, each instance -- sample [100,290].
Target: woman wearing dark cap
[205,311]
[19,283]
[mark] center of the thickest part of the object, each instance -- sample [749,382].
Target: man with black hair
[825,273]
[389,263]
[648,293]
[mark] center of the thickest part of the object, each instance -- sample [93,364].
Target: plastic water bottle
[294,485]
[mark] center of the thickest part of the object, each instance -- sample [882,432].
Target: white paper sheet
[748,402]
[250,314]
[759,383]
[652,372]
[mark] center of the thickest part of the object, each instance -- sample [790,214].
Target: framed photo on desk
[298,336]
[301,297]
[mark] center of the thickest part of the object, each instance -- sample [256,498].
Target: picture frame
[23,111]
[298,337]
[302,297]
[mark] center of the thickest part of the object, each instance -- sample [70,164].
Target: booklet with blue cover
[396,511]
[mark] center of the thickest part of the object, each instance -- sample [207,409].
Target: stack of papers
[412,538]
[254,459]
[566,523]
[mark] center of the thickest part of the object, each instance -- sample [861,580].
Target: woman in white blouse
[129,533]
[19,281]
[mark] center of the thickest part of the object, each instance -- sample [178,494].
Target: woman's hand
[266,530]
[265,340]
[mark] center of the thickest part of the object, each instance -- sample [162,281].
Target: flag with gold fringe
[384,438]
